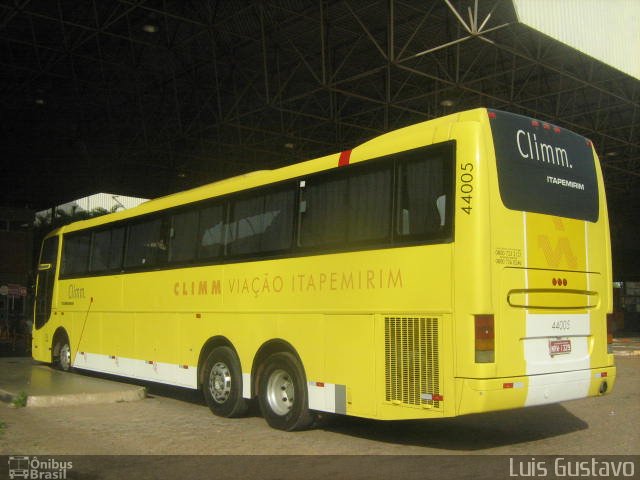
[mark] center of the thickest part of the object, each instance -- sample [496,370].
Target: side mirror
[44,267]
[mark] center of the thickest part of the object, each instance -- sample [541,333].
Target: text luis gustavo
[570,467]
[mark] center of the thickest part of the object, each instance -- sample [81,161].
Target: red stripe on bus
[344,158]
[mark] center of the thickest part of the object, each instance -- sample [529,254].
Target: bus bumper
[484,395]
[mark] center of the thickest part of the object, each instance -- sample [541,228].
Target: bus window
[106,250]
[116,248]
[260,224]
[211,232]
[324,220]
[441,205]
[75,254]
[369,206]
[100,251]
[278,235]
[422,192]
[146,246]
[183,236]
[544,168]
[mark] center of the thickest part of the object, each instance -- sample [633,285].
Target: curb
[86,398]
[6,397]
[627,353]
[130,395]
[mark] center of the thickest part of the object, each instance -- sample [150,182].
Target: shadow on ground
[469,432]
[465,433]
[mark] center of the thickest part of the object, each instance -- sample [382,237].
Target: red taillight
[484,332]
[484,338]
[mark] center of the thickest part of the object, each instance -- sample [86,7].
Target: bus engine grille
[411,360]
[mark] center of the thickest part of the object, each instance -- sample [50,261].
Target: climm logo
[530,148]
[201,287]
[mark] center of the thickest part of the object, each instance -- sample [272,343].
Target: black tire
[222,383]
[62,353]
[282,394]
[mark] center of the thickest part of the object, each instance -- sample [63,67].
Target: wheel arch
[60,332]
[275,345]
[209,345]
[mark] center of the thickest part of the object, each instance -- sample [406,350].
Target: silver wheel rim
[220,382]
[280,392]
[65,356]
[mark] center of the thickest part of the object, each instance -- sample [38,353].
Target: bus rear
[542,338]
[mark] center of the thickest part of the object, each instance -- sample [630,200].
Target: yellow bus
[455,266]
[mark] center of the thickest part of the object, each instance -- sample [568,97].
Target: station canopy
[145,98]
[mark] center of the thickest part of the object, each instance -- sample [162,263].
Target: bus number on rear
[466,187]
[563,325]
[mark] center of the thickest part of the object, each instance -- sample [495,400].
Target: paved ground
[45,386]
[626,346]
[176,422]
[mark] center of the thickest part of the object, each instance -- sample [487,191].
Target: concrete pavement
[626,345]
[24,381]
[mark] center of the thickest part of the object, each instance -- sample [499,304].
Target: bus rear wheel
[282,393]
[222,383]
[62,353]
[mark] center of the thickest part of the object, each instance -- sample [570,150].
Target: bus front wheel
[62,353]
[283,393]
[222,383]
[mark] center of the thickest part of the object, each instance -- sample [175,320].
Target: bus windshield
[543,168]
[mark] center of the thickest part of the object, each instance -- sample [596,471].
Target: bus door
[45,281]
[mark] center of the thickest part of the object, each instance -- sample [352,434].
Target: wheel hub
[220,382]
[65,357]
[280,392]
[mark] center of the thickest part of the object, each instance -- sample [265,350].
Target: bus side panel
[473,224]
[599,250]
[414,372]
[350,362]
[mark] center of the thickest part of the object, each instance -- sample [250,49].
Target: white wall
[608,30]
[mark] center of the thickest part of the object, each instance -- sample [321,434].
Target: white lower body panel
[327,397]
[169,373]
[558,387]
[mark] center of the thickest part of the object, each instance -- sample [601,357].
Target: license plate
[559,347]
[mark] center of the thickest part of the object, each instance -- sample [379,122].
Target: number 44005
[466,187]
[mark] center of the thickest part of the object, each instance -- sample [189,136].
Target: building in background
[16,253]
[21,232]
[86,207]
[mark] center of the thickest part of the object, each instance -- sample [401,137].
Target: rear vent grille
[411,360]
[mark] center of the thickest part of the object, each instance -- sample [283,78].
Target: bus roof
[412,136]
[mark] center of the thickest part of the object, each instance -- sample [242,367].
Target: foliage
[20,400]
[64,216]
